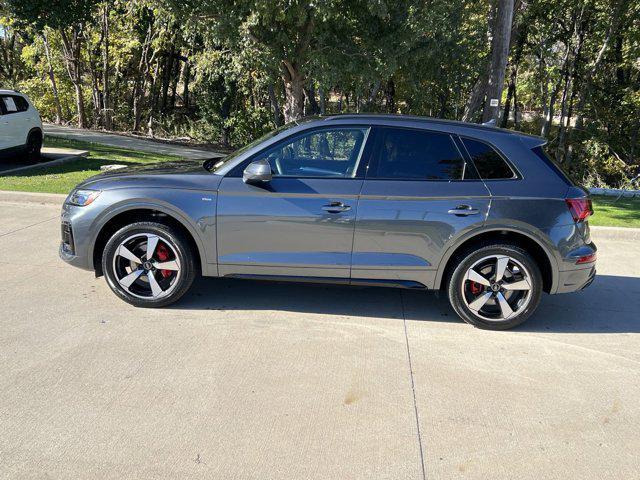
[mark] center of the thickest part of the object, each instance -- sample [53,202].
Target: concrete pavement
[249,380]
[133,143]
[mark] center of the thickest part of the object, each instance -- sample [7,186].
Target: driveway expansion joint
[413,387]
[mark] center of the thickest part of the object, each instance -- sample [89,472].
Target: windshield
[214,164]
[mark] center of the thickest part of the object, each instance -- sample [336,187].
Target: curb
[616,233]
[32,197]
[52,163]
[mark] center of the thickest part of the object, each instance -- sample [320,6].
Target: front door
[301,223]
[419,193]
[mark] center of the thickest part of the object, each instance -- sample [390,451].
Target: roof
[2,90]
[426,121]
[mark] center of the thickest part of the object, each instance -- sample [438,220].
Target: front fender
[194,210]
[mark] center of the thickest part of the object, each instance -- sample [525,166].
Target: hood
[190,174]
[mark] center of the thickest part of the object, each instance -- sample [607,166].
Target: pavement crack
[413,387]
[28,226]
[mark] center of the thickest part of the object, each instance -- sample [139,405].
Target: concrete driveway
[247,380]
[134,143]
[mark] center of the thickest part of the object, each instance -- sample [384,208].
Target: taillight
[580,208]
[587,259]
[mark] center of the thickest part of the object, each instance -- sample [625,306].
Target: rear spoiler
[532,141]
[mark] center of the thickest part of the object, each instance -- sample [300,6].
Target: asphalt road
[134,143]
[246,380]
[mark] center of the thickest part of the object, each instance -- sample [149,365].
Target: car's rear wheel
[495,287]
[33,147]
[148,264]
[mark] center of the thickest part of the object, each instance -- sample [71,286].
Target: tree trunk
[519,38]
[275,106]
[499,54]
[310,93]
[52,79]
[475,98]
[106,97]
[322,101]
[390,96]
[186,78]
[293,91]
[71,49]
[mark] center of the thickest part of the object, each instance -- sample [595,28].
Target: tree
[67,17]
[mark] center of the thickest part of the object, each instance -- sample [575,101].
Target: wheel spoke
[506,309]
[501,266]
[152,243]
[156,291]
[476,277]
[128,254]
[170,265]
[520,285]
[479,302]
[127,281]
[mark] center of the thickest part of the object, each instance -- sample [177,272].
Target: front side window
[328,152]
[488,162]
[405,154]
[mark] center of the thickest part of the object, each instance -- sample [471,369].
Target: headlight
[82,198]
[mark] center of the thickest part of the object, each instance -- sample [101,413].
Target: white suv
[20,126]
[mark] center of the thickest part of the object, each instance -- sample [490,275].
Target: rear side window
[488,162]
[13,104]
[405,154]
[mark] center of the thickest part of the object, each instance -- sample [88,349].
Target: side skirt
[334,281]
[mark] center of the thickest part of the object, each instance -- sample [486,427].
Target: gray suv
[380,200]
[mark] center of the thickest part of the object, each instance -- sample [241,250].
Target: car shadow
[610,305]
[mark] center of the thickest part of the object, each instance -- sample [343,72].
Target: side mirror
[257,172]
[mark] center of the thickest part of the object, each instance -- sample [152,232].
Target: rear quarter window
[564,176]
[488,162]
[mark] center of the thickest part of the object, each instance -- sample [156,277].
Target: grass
[62,178]
[623,213]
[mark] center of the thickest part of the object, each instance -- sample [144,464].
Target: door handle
[463,211]
[336,207]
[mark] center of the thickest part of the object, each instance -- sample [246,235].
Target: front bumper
[74,234]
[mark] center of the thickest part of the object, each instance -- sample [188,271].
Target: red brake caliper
[163,256]
[476,288]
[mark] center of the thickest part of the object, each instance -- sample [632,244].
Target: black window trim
[236,172]
[373,160]
[517,175]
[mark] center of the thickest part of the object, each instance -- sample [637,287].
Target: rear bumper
[574,280]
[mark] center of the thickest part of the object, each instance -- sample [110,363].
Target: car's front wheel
[495,287]
[148,264]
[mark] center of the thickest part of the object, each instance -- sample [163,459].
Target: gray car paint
[393,231]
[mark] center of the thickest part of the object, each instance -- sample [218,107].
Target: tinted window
[13,104]
[415,154]
[488,162]
[321,153]
[21,103]
[542,155]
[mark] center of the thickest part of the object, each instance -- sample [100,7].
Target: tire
[483,304]
[131,280]
[33,147]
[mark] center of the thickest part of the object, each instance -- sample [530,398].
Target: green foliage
[225,71]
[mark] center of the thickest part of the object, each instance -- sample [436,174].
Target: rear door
[15,125]
[419,192]
[302,222]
